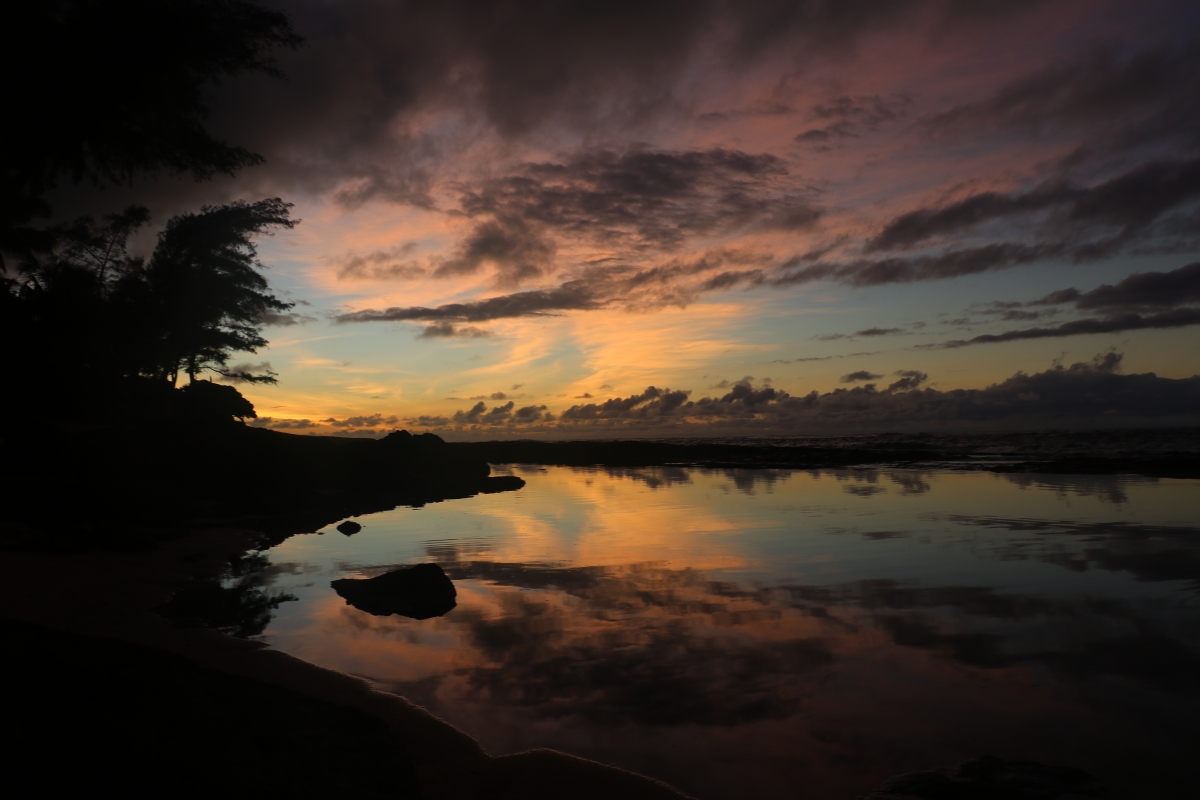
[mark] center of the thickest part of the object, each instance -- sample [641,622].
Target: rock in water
[419,592]
[349,527]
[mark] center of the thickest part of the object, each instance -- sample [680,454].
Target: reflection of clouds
[1109,488]
[747,480]
[606,619]
[910,482]
[863,490]
[653,477]
[638,643]
[651,645]
[1147,552]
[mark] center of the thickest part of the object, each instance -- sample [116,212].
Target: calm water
[784,634]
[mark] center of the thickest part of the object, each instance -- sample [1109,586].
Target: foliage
[112,88]
[204,280]
[91,313]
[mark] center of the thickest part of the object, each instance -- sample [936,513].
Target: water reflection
[775,634]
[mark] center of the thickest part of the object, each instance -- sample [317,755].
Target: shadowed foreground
[115,696]
[129,716]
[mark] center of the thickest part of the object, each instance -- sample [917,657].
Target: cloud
[1112,213]
[848,117]
[1123,322]
[639,199]
[480,415]
[517,250]
[353,114]
[448,330]
[1140,290]
[804,360]
[833,337]
[282,424]
[372,421]
[531,303]
[1142,301]
[545,150]
[861,375]
[909,379]
[1120,97]
[284,319]
[391,264]
[1085,393]
[651,403]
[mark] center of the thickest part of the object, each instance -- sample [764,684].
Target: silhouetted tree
[204,278]
[101,90]
[94,320]
[204,401]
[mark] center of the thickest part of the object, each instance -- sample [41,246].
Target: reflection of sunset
[706,625]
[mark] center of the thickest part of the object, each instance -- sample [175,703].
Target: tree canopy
[90,314]
[101,90]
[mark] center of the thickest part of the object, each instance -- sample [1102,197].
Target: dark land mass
[1162,452]
[125,488]
[89,715]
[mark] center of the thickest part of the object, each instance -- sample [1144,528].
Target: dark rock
[349,527]
[990,778]
[420,592]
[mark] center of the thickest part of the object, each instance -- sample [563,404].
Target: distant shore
[1154,452]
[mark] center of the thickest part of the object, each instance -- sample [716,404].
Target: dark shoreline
[1160,453]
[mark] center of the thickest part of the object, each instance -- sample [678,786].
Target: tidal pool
[780,634]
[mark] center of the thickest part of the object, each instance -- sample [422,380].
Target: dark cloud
[629,202]
[528,414]
[1149,300]
[861,375]
[285,319]
[653,402]
[282,424]
[1114,324]
[1147,552]
[909,379]
[671,282]
[1121,97]
[847,117]
[393,264]
[372,421]
[515,248]
[479,414]
[448,330]
[833,337]
[1085,393]
[1140,290]
[1091,221]
[531,303]
[345,118]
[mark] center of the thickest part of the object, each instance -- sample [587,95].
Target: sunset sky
[514,213]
